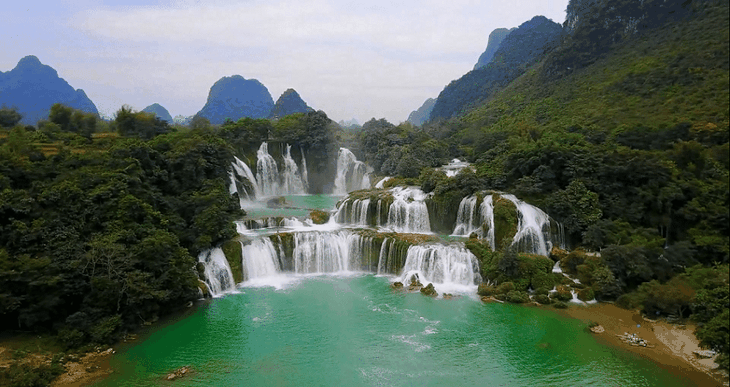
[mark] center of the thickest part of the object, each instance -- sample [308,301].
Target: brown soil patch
[671,346]
[90,368]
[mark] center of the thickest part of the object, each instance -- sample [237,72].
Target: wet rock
[397,285]
[178,373]
[429,290]
[597,329]
[415,284]
[706,354]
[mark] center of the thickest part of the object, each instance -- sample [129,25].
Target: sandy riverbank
[671,346]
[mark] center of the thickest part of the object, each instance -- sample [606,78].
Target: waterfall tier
[351,175]
[536,232]
[442,265]
[399,209]
[218,275]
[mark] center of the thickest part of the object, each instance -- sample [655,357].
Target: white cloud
[361,59]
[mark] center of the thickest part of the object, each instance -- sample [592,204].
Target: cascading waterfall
[352,175]
[218,275]
[293,181]
[441,264]
[323,252]
[267,172]
[260,259]
[535,229]
[472,219]
[536,233]
[408,212]
[240,169]
[353,212]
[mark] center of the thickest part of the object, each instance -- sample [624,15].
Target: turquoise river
[353,330]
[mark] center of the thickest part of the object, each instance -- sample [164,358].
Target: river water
[353,330]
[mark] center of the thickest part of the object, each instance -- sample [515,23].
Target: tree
[9,117]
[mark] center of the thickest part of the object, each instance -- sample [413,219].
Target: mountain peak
[289,103]
[33,88]
[236,97]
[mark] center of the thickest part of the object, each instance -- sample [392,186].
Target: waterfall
[293,183]
[534,229]
[466,217]
[218,275]
[305,174]
[353,212]
[323,252]
[381,183]
[240,169]
[352,175]
[267,173]
[408,212]
[441,264]
[260,259]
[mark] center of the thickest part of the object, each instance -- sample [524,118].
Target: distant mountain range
[159,111]
[32,88]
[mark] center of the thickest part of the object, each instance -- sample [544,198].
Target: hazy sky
[360,59]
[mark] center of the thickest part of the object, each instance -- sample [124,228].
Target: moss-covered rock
[557,254]
[570,262]
[319,216]
[543,299]
[544,291]
[562,293]
[397,285]
[285,243]
[485,290]
[232,251]
[505,288]
[505,221]
[204,289]
[517,297]
[586,294]
[560,305]
[429,290]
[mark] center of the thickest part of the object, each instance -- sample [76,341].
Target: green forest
[622,138]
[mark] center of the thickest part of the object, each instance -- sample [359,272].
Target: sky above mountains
[358,59]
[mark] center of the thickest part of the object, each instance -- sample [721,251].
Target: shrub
[586,294]
[517,297]
[505,288]
[560,305]
[542,299]
[485,290]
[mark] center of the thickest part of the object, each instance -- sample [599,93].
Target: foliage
[9,117]
[97,241]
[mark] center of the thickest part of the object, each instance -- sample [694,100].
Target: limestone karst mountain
[32,88]
[289,103]
[159,111]
[235,97]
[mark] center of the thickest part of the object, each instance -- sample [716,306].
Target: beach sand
[670,345]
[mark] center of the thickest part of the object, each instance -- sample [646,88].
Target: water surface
[355,331]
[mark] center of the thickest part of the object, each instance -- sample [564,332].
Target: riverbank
[671,346]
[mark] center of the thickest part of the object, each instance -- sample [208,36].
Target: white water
[446,266]
[353,212]
[267,172]
[293,180]
[408,212]
[240,169]
[351,175]
[381,183]
[454,167]
[218,275]
[534,229]
[534,234]
[260,259]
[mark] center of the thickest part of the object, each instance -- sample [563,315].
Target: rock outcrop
[495,40]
